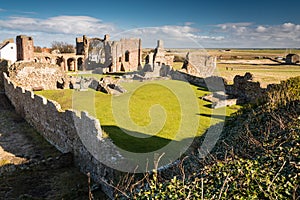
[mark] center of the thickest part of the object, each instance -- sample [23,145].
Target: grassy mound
[256,157]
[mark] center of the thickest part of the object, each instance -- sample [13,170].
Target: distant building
[25,48]
[292,59]
[111,56]
[8,51]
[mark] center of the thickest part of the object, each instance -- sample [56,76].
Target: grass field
[263,73]
[180,111]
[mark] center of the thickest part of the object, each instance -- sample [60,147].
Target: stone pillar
[75,65]
[66,65]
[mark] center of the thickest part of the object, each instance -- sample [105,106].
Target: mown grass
[154,112]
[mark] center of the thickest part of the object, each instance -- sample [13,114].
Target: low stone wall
[245,89]
[67,132]
[213,83]
[31,75]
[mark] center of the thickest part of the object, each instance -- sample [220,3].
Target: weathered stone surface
[31,75]
[25,48]
[199,64]
[103,55]
[3,68]
[219,99]
[109,85]
[68,133]
[245,89]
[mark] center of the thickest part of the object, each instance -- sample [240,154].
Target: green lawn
[154,112]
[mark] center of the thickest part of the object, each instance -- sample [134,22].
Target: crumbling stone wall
[245,89]
[198,64]
[67,131]
[25,48]
[4,64]
[123,55]
[31,75]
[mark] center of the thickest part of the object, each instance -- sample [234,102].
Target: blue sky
[185,24]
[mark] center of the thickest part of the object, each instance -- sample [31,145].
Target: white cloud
[67,28]
[188,23]
[251,35]
[261,29]
[227,26]
[288,26]
[59,24]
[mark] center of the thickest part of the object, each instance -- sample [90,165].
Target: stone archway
[60,61]
[47,59]
[71,64]
[80,64]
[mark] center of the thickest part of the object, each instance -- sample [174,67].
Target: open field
[265,74]
[143,111]
[239,61]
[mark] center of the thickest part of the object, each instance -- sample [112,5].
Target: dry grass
[265,74]
[239,61]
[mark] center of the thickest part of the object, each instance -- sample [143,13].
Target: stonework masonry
[25,48]
[65,130]
[199,64]
[111,56]
[31,75]
[3,68]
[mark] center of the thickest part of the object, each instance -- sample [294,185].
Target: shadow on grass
[203,89]
[135,144]
[208,105]
[213,116]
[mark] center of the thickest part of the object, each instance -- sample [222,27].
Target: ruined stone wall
[68,132]
[195,80]
[126,54]
[199,64]
[32,75]
[25,48]
[4,64]
[245,90]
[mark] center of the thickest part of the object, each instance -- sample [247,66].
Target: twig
[181,167]
[89,183]
[202,190]
[225,181]
[157,161]
[110,185]
[276,176]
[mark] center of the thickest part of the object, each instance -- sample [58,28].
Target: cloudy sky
[181,24]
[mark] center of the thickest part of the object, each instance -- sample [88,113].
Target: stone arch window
[127,53]
[122,68]
[80,63]
[48,59]
[71,64]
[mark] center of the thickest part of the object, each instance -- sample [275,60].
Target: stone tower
[25,48]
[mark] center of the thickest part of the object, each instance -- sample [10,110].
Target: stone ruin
[104,55]
[25,48]
[199,64]
[245,89]
[157,65]
[38,76]
[108,85]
